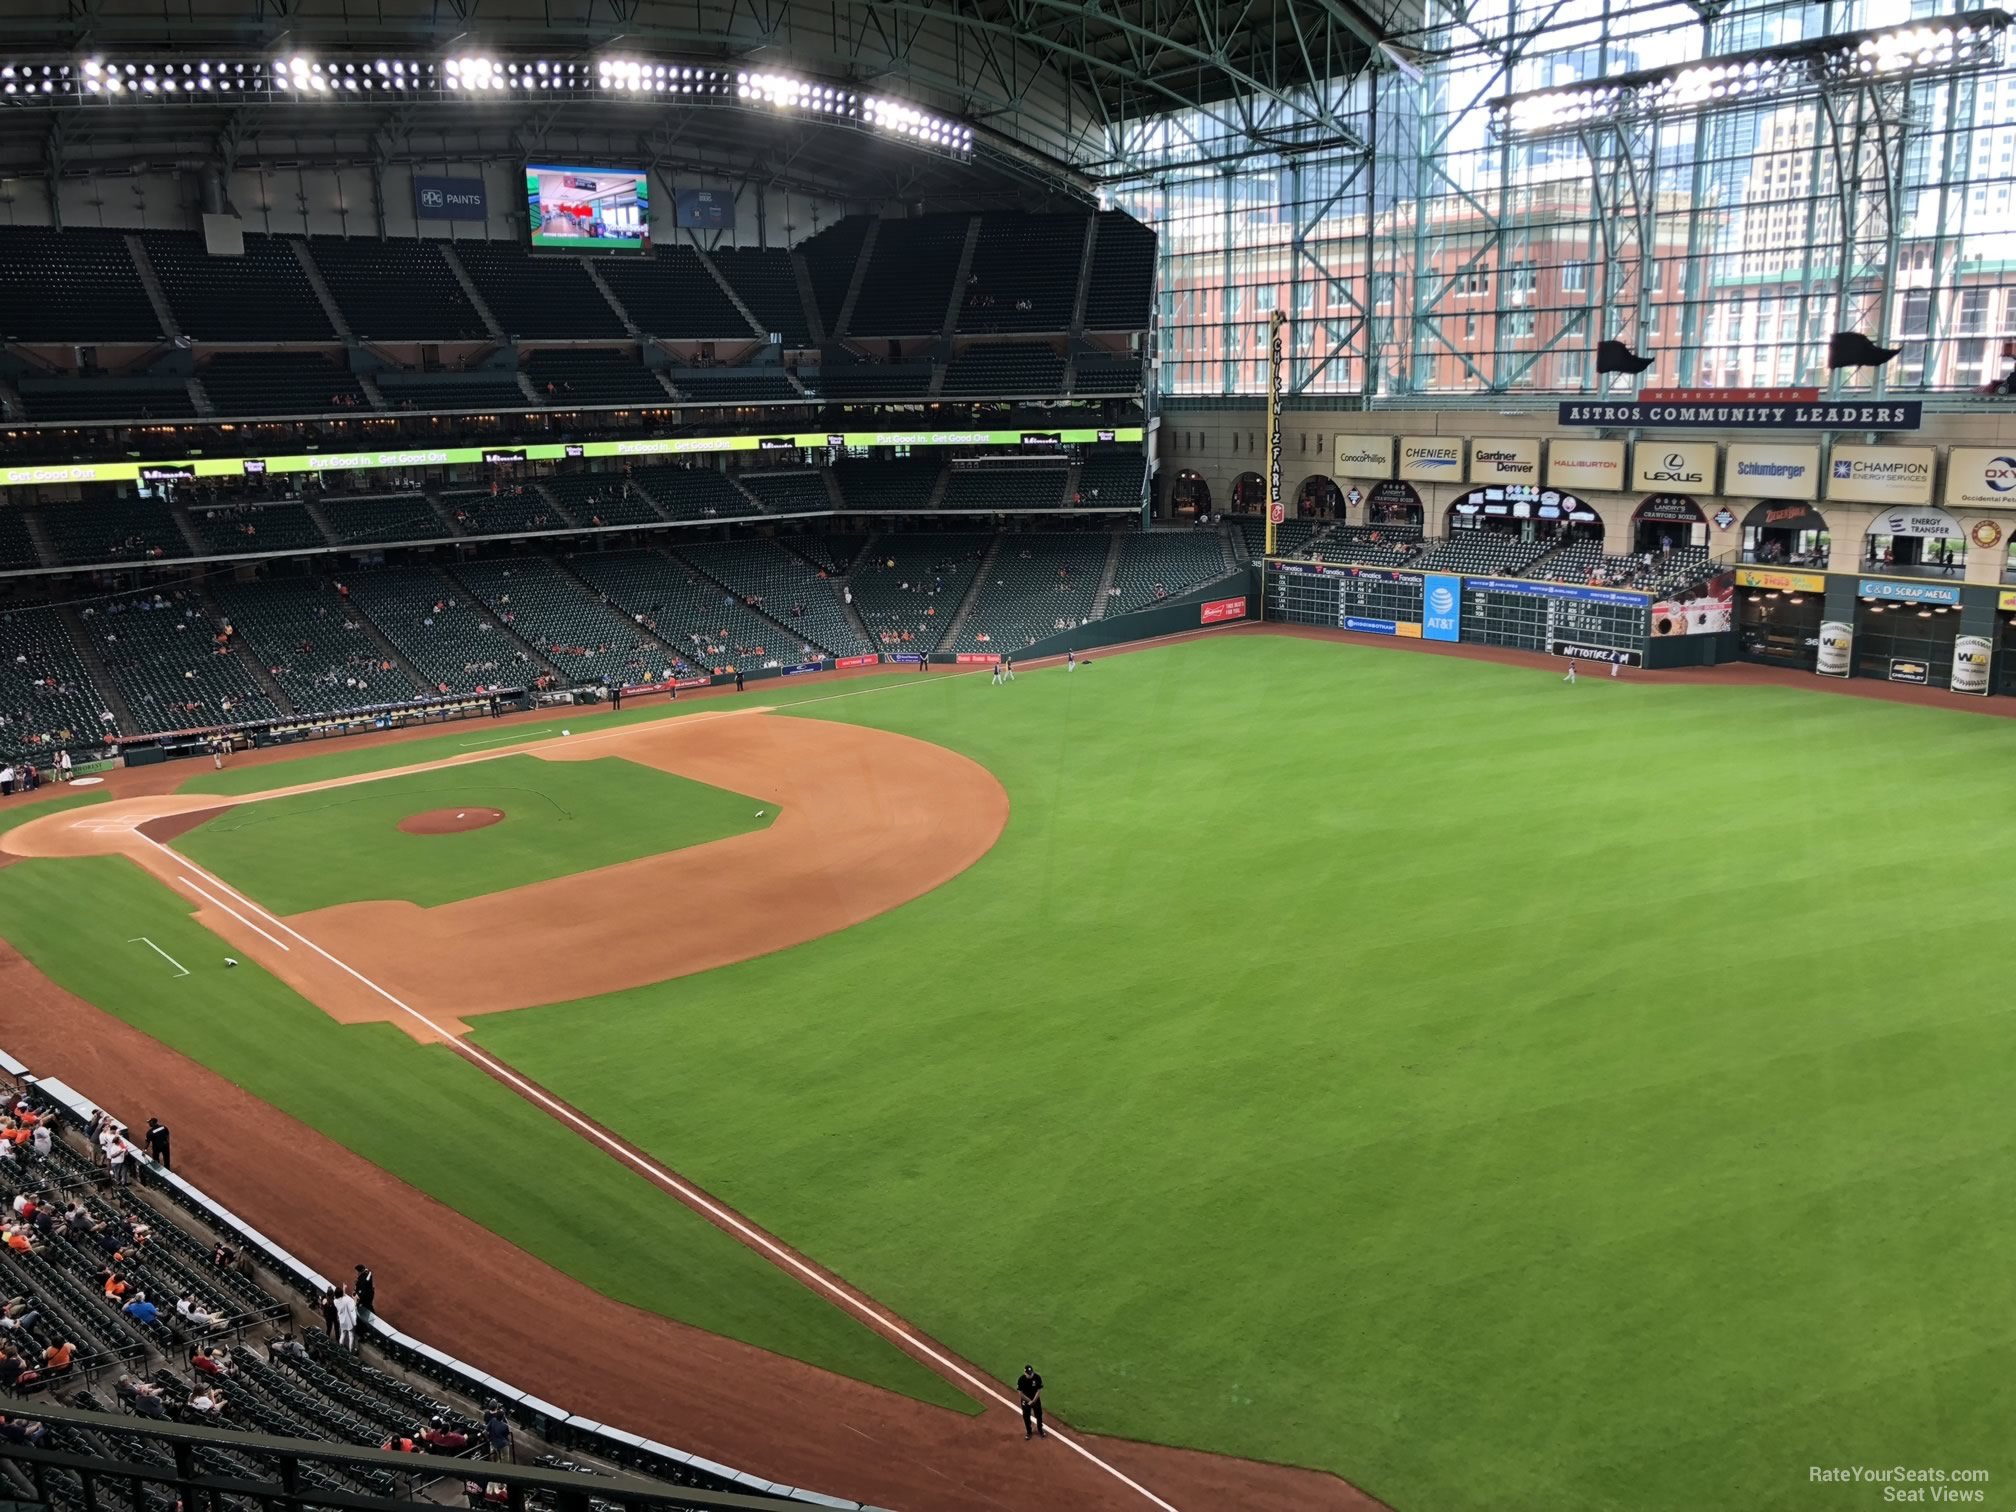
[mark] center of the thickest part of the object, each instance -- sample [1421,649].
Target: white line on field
[143,940]
[219,902]
[688,1194]
[501,739]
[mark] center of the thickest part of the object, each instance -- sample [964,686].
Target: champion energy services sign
[1880,474]
[1431,459]
[1980,478]
[1769,470]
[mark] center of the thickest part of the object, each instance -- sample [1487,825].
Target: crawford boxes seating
[598,499]
[582,636]
[707,625]
[279,383]
[1484,552]
[693,492]
[262,296]
[1008,369]
[455,643]
[898,484]
[787,493]
[1674,570]
[313,644]
[735,385]
[47,701]
[1036,585]
[1024,275]
[908,588]
[1008,489]
[592,376]
[1106,375]
[516,509]
[106,399]
[538,298]
[908,284]
[395,290]
[829,257]
[1165,560]
[786,587]
[1578,561]
[166,656]
[1123,275]
[73,287]
[383,519]
[242,529]
[765,281]
[112,530]
[671,294]
[1291,537]
[1366,545]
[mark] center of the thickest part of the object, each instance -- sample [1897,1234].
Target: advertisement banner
[1771,470]
[1927,524]
[1369,626]
[856,661]
[2006,601]
[1534,589]
[1880,474]
[1971,655]
[1908,670]
[1980,477]
[1709,610]
[1728,395]
[1672,509]
[802,667]
[1888,415]
[1362,457]
[450,199]
[1581,651]
[1892,591]
[1431,459]
[1504,461]
[1586,465]
[1673,466]
[1442,607]
[1219,610]
[1837,649]
[976,658]
[1276,503]
[1782,582]
[906,658]
[703,209]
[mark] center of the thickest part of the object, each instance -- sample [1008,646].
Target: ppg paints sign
[1880,474]
[1980,477]
[1673,466]
[458,199]
[1431,459]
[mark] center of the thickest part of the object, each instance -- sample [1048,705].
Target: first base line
[180,969]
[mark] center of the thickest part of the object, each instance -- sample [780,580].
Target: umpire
[1030,1387]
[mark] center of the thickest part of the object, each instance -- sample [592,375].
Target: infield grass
[344,844]
[426,1115]
[1506,1095]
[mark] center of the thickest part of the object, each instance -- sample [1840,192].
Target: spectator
[438,1435]
[143,1397]
[497,1434]
[195,1316]
[367,1284]
[329,1313]
[21,1431]
[157,1141]
[346,1321]
[207,1403]
[141,1311]
[57,1358]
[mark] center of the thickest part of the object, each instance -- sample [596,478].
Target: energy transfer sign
[1674,466]
[1431,459]
[1880,474]
[1363,457]
[1771,470]
[1980,477]
[1493,461]
[1586,466]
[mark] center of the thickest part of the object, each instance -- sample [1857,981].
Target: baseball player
[1030,1388]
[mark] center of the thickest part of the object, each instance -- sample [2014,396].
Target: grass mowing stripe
[1503,1094]
[426,1115]
[561,817]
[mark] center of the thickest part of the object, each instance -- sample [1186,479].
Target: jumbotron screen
[588,209]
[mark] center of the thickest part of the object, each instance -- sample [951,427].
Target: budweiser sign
[1219,610]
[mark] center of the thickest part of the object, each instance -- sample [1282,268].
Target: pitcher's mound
[449,821]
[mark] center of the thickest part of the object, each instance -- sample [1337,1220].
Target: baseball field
[1405,1069]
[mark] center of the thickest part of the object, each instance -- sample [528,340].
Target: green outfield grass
[1506,1095]
[426,1115]
[561,817]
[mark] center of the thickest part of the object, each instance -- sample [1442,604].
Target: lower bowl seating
[786,587]
[175,666]
[584,637]
[704,624]
[47,701]
[455,643]
[908,588]
[314,645]
[1157,565]
[1036,586]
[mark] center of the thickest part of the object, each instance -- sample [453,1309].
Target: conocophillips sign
[1431,459]
[1980,476]
[1363,457]
[1669,466]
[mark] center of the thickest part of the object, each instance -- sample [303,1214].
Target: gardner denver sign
[1891,415]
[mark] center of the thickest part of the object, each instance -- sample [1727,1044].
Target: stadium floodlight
[1956,44]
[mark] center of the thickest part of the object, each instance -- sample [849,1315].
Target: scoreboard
[1371,599]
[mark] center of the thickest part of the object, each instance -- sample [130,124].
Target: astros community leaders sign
[1835,415]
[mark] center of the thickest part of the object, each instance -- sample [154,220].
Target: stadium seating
[455,644]
[1155,565]
[262,296]
[900,485]
[515,509]
[845,381]
[764,280]
[1123,275]
[1013,369]
[1364,545]
[695,492]
[383,519]
[830,256]
[313,645]
[1582,561]
[1292,538]
[1669,572]
[908,588]
[1006,489]
[787,492]
[47,701]
[17,546]
[1484,552]
[735,385]
[487,389]
[538,298]
[834,555]
[72,287]
[671,294]
[240,529]
[1110,478]
[395,290]
[1120,374]
[96,399]
[708,627]
[595,500]
[1035,586]
[909,279]
[280,383]
[113,530]
[1025,273]
[594,376]
[786,587]
[172,665]
[586,639]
